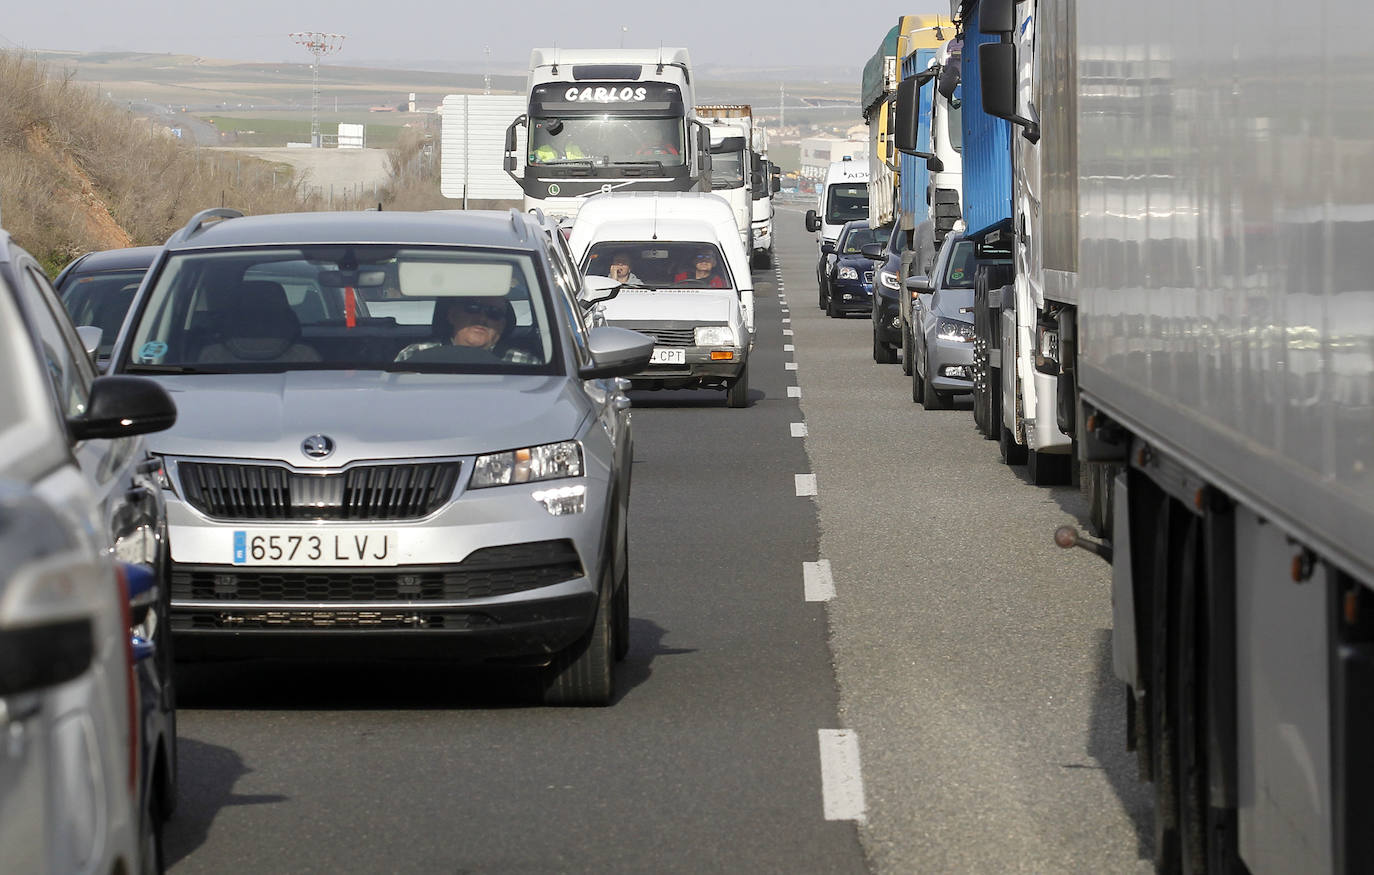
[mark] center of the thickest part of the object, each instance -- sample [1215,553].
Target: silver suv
[394,428]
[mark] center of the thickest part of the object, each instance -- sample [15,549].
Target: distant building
[818,152]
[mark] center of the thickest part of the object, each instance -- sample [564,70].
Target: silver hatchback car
[395,429]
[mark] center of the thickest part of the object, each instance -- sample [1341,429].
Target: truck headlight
[528,465]
[889,280]
[953,330]
[714,335]
[847,273]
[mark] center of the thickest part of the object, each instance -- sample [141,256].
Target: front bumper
[490,575]
[851,296]
[951,366]
[699,371]
[887,320]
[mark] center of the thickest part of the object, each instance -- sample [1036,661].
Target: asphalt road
[967,657]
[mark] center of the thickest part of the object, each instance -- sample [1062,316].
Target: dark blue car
[847,274]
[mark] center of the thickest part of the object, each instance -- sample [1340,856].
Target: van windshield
[659,264]
[844,203]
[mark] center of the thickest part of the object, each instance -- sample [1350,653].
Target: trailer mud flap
[1353,727]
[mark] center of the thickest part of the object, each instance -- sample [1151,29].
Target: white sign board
[474,145]
[351,136]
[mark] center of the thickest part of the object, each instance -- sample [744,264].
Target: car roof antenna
[655,234]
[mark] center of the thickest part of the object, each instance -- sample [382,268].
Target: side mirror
[596,289]
[122,406]
[90,337]
[874,251]
[616,352]
[997,16]
[997,67]
[935,165]
[813,222]
[918,284]
[827,248]
[776,185]
[34,657]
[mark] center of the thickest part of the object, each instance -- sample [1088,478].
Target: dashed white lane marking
[786,320]
[799,429]
[787,332]
[794,391]
[806,484]
[787,347]
[791,366]
[817,581]
[842,782]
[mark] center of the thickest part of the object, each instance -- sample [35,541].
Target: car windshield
[859,238]
[963,264]
[844,203]
[353,307]
[101,299]
[601,140]
[660,264]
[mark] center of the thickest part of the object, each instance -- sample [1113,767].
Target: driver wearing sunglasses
[475,323]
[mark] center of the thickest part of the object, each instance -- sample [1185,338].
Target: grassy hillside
[78,173]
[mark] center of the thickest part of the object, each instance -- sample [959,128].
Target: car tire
[822,297]
[929,397]
[907,349]
[621,605]
[584,672]
[918,385]
[151,824]
[763,258]
[830,309]
[882,353]
[737,393]
[1012,453]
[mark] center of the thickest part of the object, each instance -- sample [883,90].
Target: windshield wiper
[568,162]
[169,369]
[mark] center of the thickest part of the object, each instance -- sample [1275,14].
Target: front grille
[235,491]
[868,277]
[489,572]
[670,336]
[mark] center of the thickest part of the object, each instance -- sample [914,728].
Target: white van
[842,197]
[689,284]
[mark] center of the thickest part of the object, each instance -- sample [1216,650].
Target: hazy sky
[724,32]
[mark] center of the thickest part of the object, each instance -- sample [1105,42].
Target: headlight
[950,329]
[848,273]
[548,462]
[889,280]
[714,335]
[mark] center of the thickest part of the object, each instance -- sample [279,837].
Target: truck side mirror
[997,66]
[776,185]
[997,16]
[935,165]
[813,223]
[907,115]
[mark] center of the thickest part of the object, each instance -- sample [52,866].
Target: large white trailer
[1193,311]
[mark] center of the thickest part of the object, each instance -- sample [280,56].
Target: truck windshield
[843,202]
[605,139]
[727,170]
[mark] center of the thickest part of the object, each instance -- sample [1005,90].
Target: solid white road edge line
[799,429]
[842,783]
[817,581]
[806,484]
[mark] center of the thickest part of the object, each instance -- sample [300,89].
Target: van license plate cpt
[663,356]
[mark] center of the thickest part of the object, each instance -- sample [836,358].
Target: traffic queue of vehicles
[268,517]
[1156,289]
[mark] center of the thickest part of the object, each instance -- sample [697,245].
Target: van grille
[273,492]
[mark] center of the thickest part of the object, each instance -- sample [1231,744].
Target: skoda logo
[317,446]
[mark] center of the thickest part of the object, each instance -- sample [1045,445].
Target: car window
[963,264]
[63,356]
[101,298]
[662,264]
[356,307]
[857,239]
[896,242]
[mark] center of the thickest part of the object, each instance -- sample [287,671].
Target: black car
[98,287]
[887,289]
[846,273]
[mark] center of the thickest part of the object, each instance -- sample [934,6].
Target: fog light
[562,501]
[848,297]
